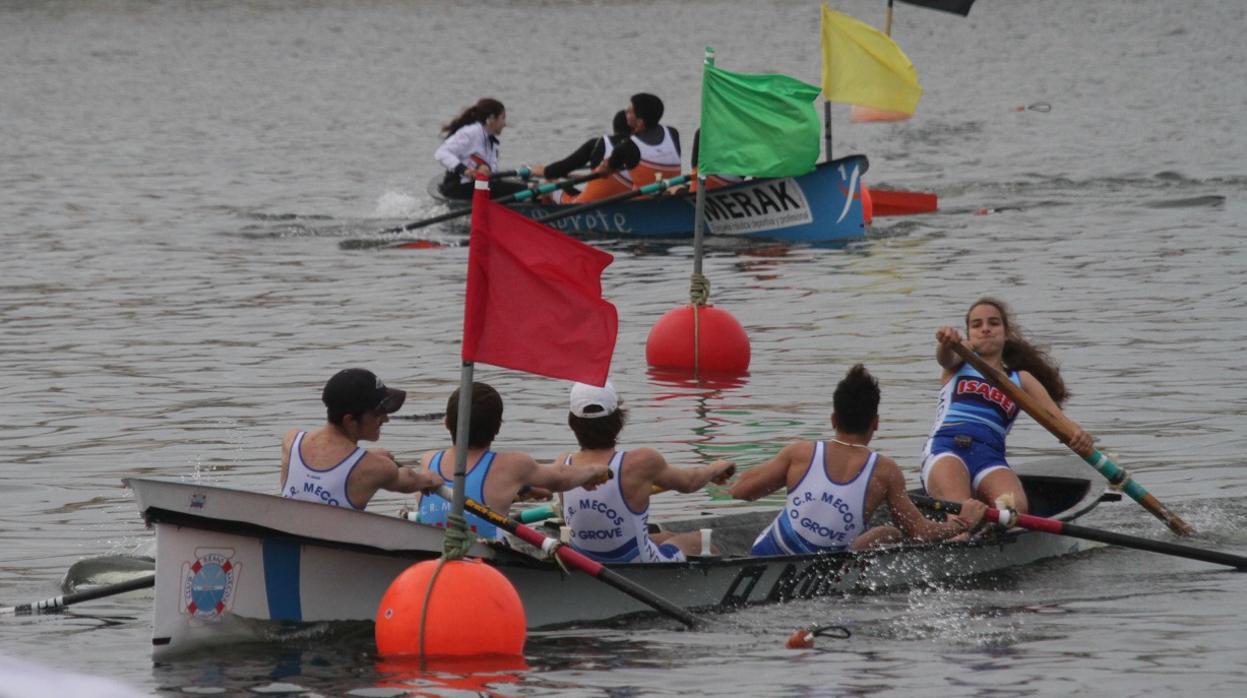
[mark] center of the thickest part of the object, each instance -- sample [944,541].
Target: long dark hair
[1020,355]
[477,113]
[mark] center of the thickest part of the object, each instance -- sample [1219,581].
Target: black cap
[358,390]
[647,106]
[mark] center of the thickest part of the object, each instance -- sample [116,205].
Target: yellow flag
[862,66]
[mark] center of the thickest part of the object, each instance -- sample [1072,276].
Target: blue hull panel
[820,206]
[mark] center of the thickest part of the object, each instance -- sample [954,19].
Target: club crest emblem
[208,583]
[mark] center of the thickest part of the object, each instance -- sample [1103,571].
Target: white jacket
[470,146]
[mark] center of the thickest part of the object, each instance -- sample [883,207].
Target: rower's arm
[766,478]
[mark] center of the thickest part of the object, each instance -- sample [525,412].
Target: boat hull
[820,206]
[225,557]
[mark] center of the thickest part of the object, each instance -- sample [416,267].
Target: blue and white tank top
[325,486]
[820,514]
[968,398]
[602,524]
[433,508]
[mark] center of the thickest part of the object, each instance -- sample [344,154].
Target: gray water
[177,178]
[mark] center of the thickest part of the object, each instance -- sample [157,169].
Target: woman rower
[471,148]
[965,453]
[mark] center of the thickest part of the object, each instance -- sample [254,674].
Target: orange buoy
[868,205]
[473,611]
[723,346]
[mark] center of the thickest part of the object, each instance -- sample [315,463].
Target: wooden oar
[654,188]
[1060,528]
[58,602]
[510,198]
[575,559]
[1102,463]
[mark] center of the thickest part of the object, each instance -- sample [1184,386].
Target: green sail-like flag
[757,125]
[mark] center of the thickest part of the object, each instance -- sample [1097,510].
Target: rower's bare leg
[1003,481]
[949,479]
[877,536]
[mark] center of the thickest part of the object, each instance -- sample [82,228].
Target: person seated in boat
[965,453]
[493,478]
[835,485]
[655,147]
[603,157]
[328,466]
[611,523]
[591,153]
[471,148]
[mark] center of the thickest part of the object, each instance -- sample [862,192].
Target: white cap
[584,395]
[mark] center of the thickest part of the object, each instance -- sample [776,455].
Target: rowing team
[638,151]
[833,486]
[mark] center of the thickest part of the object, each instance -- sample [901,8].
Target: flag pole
[887,20]
[463,424]
[827,127]
[699,222]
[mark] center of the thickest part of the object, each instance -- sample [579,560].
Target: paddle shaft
[1102,463]
[577,560]
[57,602]
[622,196]
[1060,528]
[517,196]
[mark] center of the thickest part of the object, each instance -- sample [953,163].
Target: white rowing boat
[225,555]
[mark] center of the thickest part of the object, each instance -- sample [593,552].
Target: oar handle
[575,559]
[547,511]
[1060,528]
[1094,458]
[656,187]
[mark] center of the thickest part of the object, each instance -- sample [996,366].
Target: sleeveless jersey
[604,527]
[433,508]
[600,188]
[656,160]
[820,514]
[968,398]
[325,486]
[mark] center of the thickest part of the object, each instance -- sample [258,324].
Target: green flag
[757,125]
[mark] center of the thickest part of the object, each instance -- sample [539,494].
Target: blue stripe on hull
[281,579]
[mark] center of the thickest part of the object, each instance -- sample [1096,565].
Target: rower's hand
[1081,442]
[948,336]
[972,511]
[538,170]
[601,475]
[727,470]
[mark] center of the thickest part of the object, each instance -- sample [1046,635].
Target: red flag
[534,300]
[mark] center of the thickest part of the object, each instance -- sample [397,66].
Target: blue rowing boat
[824,205]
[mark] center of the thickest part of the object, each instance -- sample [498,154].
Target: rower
[833,486]
[471,148]
[656,147]
[602,155]
[493,478]
[611,523]
[328,466]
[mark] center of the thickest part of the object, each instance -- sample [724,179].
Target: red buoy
[473,611]
[868,205]
[723,346]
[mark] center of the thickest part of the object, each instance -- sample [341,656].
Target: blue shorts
[978,448]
